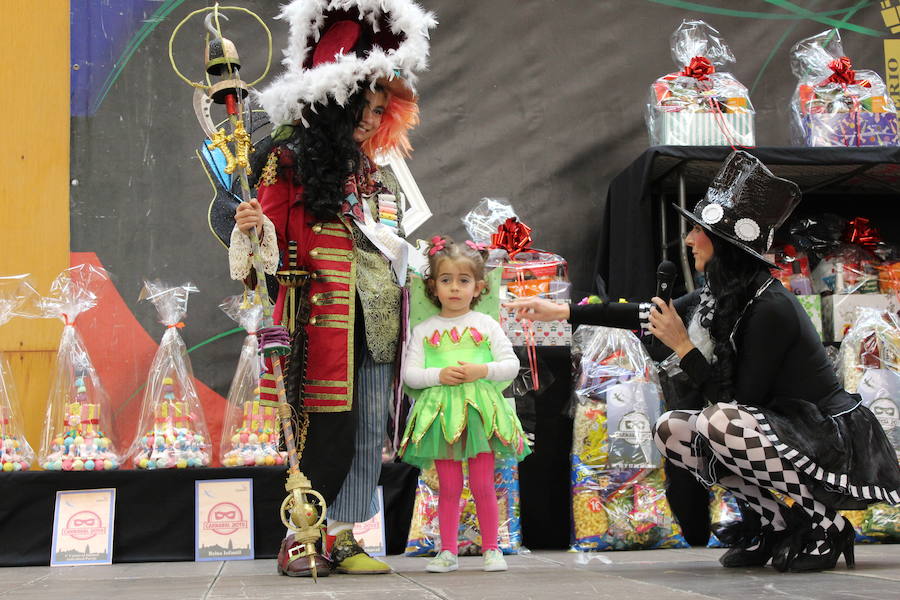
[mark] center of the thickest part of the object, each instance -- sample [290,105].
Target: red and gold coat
[325,248]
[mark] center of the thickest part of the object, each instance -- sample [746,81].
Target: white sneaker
[444,562]
[494,561]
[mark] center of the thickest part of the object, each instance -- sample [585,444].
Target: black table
[640,228]
[155,510]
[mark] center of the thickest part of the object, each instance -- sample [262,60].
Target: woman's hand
[248,216]
[472,371]
[452,376]
[538,309]
[668,327]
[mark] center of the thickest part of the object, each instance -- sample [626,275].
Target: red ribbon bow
[699,68]
[860,231]
[843,74]
[179,325]
[512,236]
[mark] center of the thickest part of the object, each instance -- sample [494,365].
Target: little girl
[461,361]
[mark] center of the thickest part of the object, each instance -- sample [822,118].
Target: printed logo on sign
[634,428]
[886,412]
[84,525]
[224,518]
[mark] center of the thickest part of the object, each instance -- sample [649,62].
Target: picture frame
[396,175]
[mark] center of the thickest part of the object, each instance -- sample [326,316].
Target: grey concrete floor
[648,575]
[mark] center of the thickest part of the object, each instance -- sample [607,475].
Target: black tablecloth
[155,510]
[629,245]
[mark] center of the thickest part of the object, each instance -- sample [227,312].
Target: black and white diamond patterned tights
[735,439]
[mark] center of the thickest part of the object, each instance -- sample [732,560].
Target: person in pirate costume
[777,417]
[346,96]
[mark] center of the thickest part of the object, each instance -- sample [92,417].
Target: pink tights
[481,482]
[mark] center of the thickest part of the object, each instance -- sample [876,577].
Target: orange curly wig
[399,117]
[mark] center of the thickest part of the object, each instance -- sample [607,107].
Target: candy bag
[172,431]
[250,435]
[17,298]
[833,105]
[77,427]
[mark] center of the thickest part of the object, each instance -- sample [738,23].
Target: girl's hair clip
[477,246]
[437,244]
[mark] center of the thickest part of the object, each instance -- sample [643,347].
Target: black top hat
[745,204]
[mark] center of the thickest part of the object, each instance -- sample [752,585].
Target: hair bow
[437,244]
[476,246]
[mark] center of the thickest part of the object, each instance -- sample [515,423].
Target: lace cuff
[240,259]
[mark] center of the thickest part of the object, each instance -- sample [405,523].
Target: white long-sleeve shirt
[504,367]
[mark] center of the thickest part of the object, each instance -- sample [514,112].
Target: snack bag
[624,510]
[699,105]
[618,489]
[833,105]
[251,434]
[17,298]
[77,425]
[424,535]
[172,430]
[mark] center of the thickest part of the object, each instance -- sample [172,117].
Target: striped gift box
[702,129]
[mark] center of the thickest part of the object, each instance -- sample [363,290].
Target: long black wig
[732,275]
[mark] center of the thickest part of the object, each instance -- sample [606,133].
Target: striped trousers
[357,502]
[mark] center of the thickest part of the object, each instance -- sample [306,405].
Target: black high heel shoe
[799,528]
[752,545]
[838,543]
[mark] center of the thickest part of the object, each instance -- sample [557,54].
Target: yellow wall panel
[31,373]
[34,192]
[34,195]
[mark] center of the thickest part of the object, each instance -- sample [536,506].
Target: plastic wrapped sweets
[699,105]
[424,535]
[251,434]
[834,105]
[618,485]
[17,298]
[172,431]
[77,427]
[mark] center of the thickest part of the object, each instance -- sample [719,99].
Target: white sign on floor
[83,527]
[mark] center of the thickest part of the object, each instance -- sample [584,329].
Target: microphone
[666,274]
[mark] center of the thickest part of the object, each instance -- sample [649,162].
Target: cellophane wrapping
[172,430]
[251,434]
[618,483]
[482,221]
[833,105]
[699,105]
[424,534]
[869,365]
[17,298]
[78,423]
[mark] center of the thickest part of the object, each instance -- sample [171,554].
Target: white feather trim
[285,98]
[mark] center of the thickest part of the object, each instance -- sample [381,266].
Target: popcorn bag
[251,434]
[424,535]
[700,105]
[172,431]
[618,491]
[833,105]
[77,424]
[17,297]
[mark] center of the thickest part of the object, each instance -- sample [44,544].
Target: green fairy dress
[460,421]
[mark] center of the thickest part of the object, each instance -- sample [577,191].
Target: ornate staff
[299,513]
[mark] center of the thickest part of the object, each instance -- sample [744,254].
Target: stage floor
[690,573]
